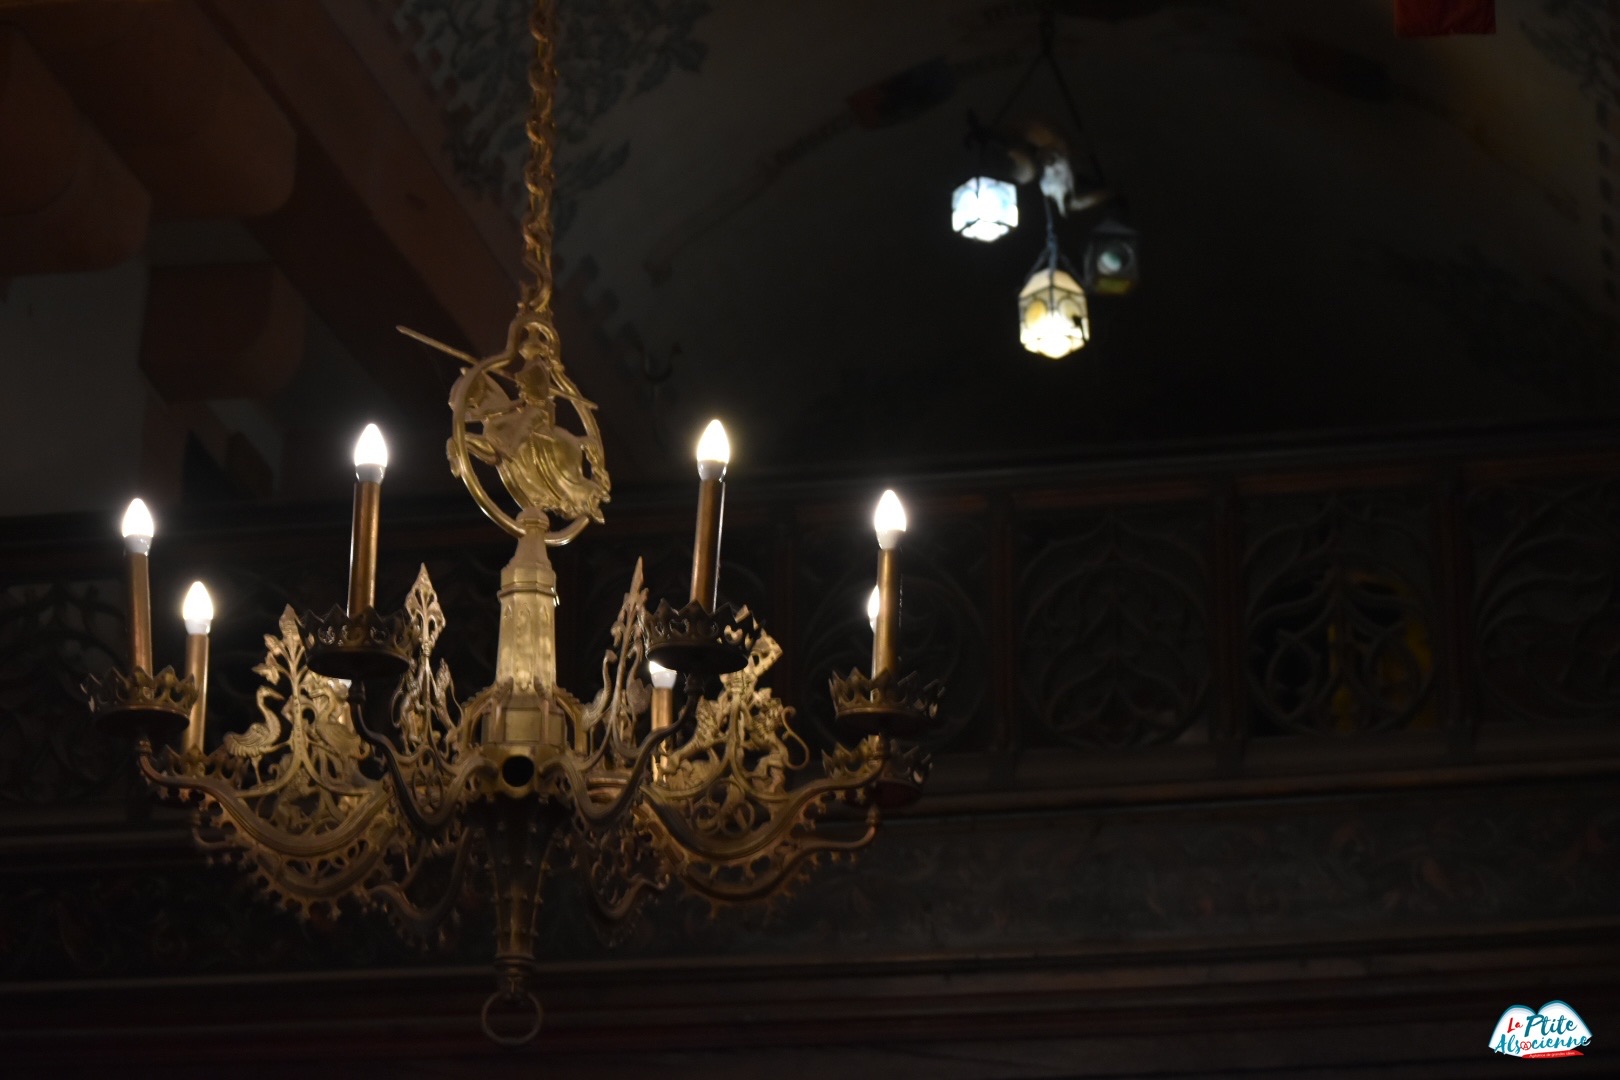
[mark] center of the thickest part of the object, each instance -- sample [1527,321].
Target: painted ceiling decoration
[610,49]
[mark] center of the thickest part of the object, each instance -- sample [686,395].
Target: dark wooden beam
[213,332]
[174,100]
[67,201]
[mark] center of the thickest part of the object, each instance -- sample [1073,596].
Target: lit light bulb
[137,527]
[370,455]
[1053,314]
[889,520]
[1052,336]
[713,449]
[1110,261]
[663,678]
[984,208]
[874,604]
[197,609]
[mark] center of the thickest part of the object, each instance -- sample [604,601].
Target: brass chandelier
[365,781]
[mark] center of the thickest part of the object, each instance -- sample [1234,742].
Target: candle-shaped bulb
[713,454]
[370,455]
[197,609]
[663,678]
[138,528]
[889,520]
[713,451]
[370,460]
[874,604]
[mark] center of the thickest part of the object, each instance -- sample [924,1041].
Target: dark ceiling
[1342,230]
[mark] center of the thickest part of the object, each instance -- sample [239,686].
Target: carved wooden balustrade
[1248,707]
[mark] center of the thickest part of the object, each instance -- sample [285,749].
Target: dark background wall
[1297,762]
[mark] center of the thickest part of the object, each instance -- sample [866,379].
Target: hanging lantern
[984,209]
[1052,317]
[1112,266]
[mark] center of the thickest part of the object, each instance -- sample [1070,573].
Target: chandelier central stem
[527,649]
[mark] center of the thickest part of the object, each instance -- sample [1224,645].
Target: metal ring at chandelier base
[528,1034]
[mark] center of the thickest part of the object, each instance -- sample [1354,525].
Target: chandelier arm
[793,813]
[621,909]
[418,919]
[423,821]
[285,879]
[593,760]
[264,789]
[595,816]
[451,780]
[242,818]
[765,887]
[623,749]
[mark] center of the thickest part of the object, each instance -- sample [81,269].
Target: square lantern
[1052,316]
[984,209]
[1112,259]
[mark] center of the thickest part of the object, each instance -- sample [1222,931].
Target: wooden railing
[1218,618]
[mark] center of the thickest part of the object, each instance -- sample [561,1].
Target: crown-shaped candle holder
[367,645]
[904,770]
[902,706]
[137,703]
[697,641]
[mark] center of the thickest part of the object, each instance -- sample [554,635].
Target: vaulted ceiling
[229,205]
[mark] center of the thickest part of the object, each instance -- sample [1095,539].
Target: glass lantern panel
[1052,314]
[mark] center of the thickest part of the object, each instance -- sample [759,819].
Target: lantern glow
[984,209]
[1052,315]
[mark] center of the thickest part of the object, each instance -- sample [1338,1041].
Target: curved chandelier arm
[422,920]
[793,813]
[424,821]
[242,818]
[620,909]
[597,816]
[766,886]
[300,888]
[614,746]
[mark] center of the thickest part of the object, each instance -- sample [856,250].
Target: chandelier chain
[539,177]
